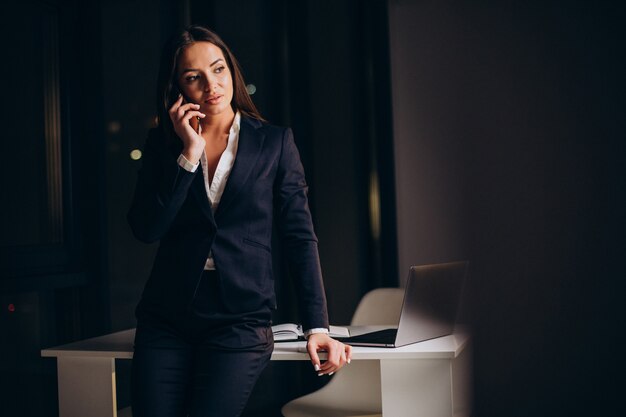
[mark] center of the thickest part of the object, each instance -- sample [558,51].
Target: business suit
[266,185]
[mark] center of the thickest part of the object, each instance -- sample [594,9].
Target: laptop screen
[431,301]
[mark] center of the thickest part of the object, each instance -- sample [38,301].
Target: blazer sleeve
[297,234]
[162,186]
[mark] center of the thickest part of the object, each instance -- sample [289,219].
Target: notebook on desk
[429,308]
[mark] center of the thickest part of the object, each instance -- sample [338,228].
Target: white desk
[430,378]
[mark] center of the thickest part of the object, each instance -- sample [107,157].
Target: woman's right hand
[193,142]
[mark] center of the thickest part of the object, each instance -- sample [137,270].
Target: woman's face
[204,78]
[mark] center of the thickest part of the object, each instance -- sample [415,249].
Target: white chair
[355,390]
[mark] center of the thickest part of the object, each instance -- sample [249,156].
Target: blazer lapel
[198,189]
[248,151]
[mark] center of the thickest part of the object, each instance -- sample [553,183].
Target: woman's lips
[214,100]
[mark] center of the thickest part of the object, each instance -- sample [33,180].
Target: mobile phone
[173,96]
[174,93]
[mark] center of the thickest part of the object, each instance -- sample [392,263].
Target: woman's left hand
[338,353]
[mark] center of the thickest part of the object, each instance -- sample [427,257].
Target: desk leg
[462,389]
[416,388]
[86,387]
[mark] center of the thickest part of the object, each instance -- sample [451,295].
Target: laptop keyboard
[387,336]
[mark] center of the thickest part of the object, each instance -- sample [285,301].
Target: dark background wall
[430,131]
[509,146]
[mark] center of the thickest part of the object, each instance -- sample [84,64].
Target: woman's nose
[210,85]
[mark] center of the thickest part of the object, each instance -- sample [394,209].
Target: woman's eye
[191,78]
[219,69]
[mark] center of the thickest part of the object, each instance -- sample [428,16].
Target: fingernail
[317,367]
[320,374]
[330,373]
[348,360]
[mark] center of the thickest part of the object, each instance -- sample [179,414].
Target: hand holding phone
[185,118]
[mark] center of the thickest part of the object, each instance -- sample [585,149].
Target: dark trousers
[199,363]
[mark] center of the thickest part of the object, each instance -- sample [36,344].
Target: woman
[214,179]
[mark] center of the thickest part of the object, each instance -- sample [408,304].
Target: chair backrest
[381,306]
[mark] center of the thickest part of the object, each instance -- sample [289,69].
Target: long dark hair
[167,90]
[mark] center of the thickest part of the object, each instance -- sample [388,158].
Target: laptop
[429,308]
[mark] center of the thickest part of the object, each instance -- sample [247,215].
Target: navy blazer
[266,185]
